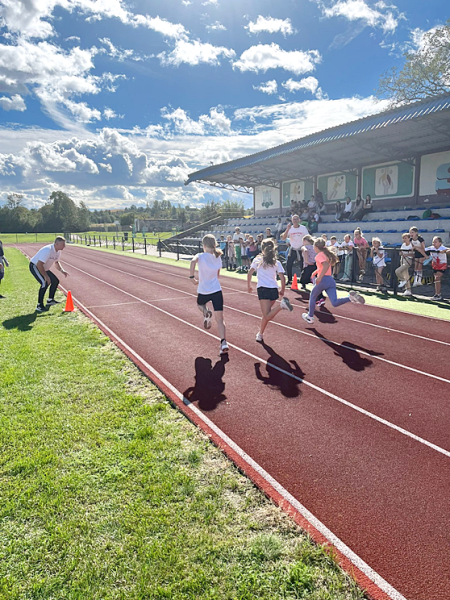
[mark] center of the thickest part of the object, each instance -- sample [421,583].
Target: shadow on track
[22,322]
[348,352]
[283,382]
[209,387]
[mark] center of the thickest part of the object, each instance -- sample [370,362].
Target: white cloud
[186,2]
[217,26]
[271,25]
[194,53]
[119,53]
[386,17]
[31,18]
[73,38]
[310,84]
[215,122]
[213,2]
[55,76]
[16,102]
[270,87]
[109,113]
[264,57]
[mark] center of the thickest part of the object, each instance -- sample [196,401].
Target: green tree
[14,200]
[127,219]
[426,71]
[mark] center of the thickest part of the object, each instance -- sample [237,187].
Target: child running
[325,259]
[209,290]
[267,267]
[438,263]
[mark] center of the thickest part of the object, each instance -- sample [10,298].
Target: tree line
[62,214]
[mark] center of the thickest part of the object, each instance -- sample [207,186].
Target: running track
[346,421]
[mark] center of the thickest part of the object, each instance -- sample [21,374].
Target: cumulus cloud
[270,25]
[194,53]
[216,26]
[270,87]
[215,122]
[383,16]
[16,102]
[310,84]
[119,53]
[264,57]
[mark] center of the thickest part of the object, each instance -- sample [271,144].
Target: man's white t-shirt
[237,238]
[296,235]
[208,273]
[267,275]
[47,255]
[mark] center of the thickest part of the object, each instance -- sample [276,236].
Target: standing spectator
[348,209]
[238,240]
[231,254]
[362,248]
[334,247]
[438,264]
[295,233]
[418,243]
[269,233]
[347,246]
[318,196]
[406,260]
[339,211]
[327,241]
[379,262]
[223,247]
[259,241]
[40,266]
[3,263]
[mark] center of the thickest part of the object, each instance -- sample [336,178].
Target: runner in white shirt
[295,233]
[209,289]
[40,266]
[267,267]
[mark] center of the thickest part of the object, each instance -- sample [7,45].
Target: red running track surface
[351,416]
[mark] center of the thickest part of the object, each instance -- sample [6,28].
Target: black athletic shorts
[216,299]
[265,293]
[417,254]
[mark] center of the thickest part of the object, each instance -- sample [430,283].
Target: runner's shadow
[348,352]
[22,322]
[209,387]
[325,316]
[278,380]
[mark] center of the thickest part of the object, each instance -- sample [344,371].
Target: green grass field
[47,238]
[108,492]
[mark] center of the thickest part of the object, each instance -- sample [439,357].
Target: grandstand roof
[396,134]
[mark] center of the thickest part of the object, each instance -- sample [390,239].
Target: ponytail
[209,241]
[268,253]
[331,257]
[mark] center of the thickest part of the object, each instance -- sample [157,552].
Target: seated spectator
[318,196]
[312,204]
[339,211]
[348,209]
[358,208]
[368,205]
[321,208]
[313,222]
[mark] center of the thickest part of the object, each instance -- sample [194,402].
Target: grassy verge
[28,238]
[106,491]
[412,305]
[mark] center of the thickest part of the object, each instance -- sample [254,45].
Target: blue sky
[115,102]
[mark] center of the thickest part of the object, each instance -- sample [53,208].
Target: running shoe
[207,317]
[40,308]
[223,347]
[321,302]
[407,293]
[356,298]
[259,337]
[286,305]
[52,302]
[345,279]
[417,282]
[402,283]
[307,318]
[437,297]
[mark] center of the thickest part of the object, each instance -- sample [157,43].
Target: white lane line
[421,337]
[117,304]
[302,332]
[323,529]
[272,366]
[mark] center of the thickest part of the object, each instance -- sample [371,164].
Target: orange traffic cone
[69,303]
[294,285]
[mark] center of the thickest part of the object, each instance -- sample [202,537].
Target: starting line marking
[262,360]
[386,360]
[421,337]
